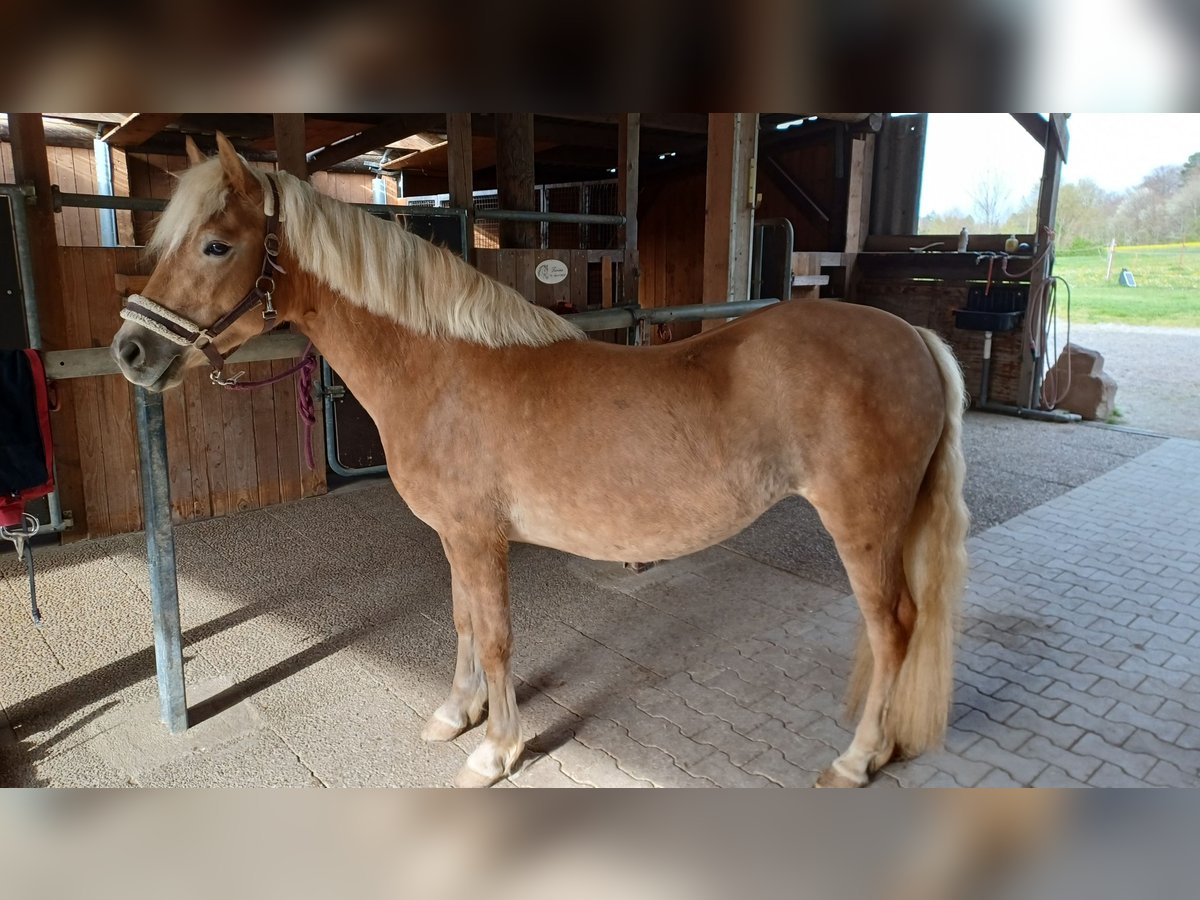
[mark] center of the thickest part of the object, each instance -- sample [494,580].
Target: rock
[1079,380]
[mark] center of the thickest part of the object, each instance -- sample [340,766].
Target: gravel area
[1157,372]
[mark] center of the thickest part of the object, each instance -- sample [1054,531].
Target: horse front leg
[463,709]
[479,566]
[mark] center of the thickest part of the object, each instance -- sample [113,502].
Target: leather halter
[183,331]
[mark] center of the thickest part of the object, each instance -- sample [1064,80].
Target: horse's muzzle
[145,359]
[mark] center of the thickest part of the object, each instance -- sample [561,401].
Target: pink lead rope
[304,398]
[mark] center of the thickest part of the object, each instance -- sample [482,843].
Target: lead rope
[304,400]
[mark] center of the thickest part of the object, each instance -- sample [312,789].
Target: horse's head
[211,261]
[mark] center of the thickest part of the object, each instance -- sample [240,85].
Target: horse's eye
[216,248]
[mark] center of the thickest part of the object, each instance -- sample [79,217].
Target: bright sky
[1113,149]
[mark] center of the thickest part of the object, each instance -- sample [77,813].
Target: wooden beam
[896,183]
[1044,130]
[139,127]
[795,193]
[858,198]
[391,129]
[629,131]
[1028,386]
[289,144]
[461,172]
[514,177]
[686,123]
[31,167]
[729,207]
[1058,127]
[1035,124]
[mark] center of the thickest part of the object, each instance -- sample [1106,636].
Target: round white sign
[551,271]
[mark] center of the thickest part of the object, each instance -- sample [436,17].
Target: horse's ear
[195,157]
[238,175]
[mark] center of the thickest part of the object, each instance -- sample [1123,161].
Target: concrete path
[318,638]
[1157,372]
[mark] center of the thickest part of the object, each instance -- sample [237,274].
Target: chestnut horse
[479,395]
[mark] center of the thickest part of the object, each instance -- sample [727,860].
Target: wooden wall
[925,289]
[671,221]
[228,451]
[810,165]
[73,169]
[592,279]
[671,244]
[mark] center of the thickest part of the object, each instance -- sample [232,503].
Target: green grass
[1168,291]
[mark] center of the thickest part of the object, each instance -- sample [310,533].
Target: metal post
[17,200]
[160,553]
[104,185]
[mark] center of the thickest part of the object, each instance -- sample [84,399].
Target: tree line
[1163,208]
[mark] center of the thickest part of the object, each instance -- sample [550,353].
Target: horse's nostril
[132,352]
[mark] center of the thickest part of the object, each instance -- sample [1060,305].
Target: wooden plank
[289,144]
[629,131]
[939,243]
[1052,163]
[117,430]
[578,279]
[62,173]
[30,165]
[1035,124]
[238,424]
[266,454]
[213,428]
[486,261]
[89,362]
[312,481]
[198,503]
[858,195]
[461,171]
[1058,127]
[526,262]
[179,453]
[84,166]
[729,214]
[120,166]
[514,177]
[88,400]
[896,185]
[945,266]
[287,447]
[506,268]
[390,129]
[137,128]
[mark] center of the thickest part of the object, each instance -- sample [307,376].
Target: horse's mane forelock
[375,264]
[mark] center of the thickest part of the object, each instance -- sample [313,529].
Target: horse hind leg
[877,576]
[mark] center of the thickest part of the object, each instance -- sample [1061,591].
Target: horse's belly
[669,531]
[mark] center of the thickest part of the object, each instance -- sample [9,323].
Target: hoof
[438,728]
[469,778]
[488,764]
[832,778]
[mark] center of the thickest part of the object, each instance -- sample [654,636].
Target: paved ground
[1157,372]
[318,638]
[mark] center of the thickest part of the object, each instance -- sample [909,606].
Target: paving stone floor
[318,637]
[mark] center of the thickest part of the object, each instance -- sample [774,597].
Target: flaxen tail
[935,568]
[935,565]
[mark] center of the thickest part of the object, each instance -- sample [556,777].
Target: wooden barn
[664,555]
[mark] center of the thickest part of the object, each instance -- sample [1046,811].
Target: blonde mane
[375,264]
